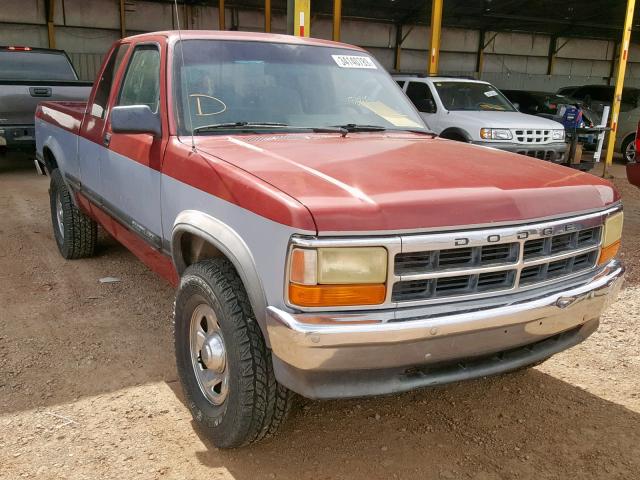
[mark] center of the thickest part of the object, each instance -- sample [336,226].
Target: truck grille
[486,262]
[533,136]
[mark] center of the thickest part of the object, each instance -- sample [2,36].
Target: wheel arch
[455,131]
[197,236]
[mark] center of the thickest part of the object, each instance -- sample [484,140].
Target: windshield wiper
[258,125]
[238,125]
[357,127]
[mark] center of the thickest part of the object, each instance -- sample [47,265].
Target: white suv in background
[476,112]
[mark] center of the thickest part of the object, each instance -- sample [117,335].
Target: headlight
[557,134]
[495,134]
[611,237]
[343,276]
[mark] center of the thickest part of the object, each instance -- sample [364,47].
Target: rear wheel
[76,234]
[223,362]
[629,149]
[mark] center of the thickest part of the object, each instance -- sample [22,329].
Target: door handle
[40,91]
[106,140]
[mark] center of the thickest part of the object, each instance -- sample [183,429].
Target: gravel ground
[88,385]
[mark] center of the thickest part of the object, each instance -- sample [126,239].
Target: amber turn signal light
[607,253]
[336,295]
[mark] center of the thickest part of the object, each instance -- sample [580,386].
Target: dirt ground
[88,386]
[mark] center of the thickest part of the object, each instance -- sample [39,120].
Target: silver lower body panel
[338,355]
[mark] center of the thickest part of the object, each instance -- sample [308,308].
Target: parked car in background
[474,111]
[321,239]
[596,97]
[566,110]
[633,167]
[29,76]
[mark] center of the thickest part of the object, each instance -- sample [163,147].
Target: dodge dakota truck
[322,241]
[29,76]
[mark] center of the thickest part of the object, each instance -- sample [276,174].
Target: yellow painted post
[302,18]
[51,33]
[267,16]
[221,25]
[436,30]
[337,19]
[123,25]
[622,68]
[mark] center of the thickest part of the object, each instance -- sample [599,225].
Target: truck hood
[495,119]
[399,182]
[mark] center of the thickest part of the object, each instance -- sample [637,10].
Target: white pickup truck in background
[476,112]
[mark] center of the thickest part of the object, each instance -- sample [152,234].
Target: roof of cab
[174,35]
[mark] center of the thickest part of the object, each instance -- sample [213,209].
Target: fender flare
[230,244]
[457,131]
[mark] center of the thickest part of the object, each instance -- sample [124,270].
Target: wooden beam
[480,54]
[436,31]
[50,7]
[622,68]
[123,25]
[399,40]
[337,19]
[221,25]
[267,16]
[551,57]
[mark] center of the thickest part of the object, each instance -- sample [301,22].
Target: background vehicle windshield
[472,96]
[18,65]
[297,85]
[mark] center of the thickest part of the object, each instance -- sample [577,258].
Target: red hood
[366,182]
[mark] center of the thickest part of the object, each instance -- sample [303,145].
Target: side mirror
[426,106]
[135,119]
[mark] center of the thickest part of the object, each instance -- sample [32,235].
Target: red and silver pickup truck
[321,240]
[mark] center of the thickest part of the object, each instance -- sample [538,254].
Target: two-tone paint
[249,195]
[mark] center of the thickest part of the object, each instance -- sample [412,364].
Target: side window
[101,98]
[400,83]
[420,94]
[141,83]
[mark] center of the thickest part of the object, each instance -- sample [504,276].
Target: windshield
[472,96]
[19,65]
[297,86]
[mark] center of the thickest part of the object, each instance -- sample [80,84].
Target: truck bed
[66,115]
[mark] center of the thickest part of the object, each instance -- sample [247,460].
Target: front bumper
[17,136]
[339,355]
[553,152]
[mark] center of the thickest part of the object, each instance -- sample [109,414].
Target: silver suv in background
[476,112]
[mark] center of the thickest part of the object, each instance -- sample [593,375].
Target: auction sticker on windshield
[353,61]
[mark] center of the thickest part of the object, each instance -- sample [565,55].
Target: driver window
[420,94]
[141,84]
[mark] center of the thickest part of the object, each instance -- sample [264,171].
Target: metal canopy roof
[574,18]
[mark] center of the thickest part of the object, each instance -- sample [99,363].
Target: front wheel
[223,362]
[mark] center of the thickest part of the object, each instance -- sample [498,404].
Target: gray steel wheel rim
[59,215]
[208,354]
[630,153]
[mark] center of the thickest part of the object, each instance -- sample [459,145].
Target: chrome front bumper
[353,354]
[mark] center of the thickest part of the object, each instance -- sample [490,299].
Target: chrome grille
[488,264]
[533,136]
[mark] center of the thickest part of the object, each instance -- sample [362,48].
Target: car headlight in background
[611,237]
[557,134]
[495,134]
[337,276]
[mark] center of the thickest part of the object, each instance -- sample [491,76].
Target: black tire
[78,236]
[256,404]
[627,155]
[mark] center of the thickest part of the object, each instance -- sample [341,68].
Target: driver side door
[130,170]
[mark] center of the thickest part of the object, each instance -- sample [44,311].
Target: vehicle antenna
[193,142]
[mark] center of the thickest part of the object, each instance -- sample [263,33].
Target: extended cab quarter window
[141,84]
[104,86]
